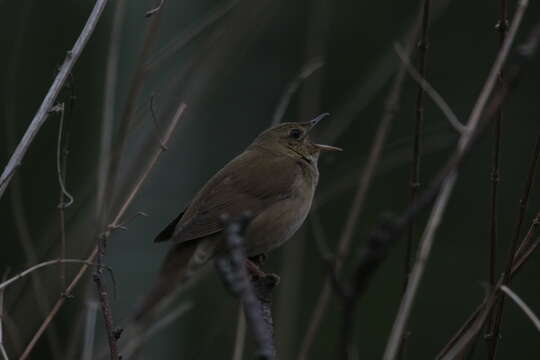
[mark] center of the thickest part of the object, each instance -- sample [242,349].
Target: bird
[274,180]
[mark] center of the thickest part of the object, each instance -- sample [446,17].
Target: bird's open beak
[327,147]
[312,124]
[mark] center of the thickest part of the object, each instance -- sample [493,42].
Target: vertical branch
[423,44]
[112,334]
[502,28]
[65,198]
[414,184]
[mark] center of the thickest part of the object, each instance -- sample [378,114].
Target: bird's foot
[259,260]
[254,270]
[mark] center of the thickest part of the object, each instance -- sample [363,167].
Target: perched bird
[274,180]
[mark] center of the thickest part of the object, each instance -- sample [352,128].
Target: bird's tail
[175,272]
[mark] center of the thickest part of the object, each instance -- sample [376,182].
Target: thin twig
[292,87]
[431,92]
[31,269]
[61,109]
[61,165]
[502,28]
[16,194]
[414,178]
[114,225]
[155,9]
[358,202]
[442,199]
[522,305]
[42,114]
[113,334]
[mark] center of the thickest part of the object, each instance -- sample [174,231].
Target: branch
[39,119]
[256,295]
[114,225]
[526,309]
[432,93]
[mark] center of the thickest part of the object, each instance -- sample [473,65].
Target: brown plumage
[274,180]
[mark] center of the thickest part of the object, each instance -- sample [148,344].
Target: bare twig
[112,334]
[292,87]
[39,119]
[61,165]
[431,92]
[522,305]
[255,294]
[28,271]
[414,178]
[502,28]
[61,109]
[155,9]
[442,199]
[114,225]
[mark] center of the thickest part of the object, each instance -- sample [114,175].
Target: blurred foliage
[235,60]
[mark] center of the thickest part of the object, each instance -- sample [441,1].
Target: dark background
[232,71]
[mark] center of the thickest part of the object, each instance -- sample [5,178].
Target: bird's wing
[249,183]
[168,232]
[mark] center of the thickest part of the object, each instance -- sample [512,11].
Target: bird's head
[293,139]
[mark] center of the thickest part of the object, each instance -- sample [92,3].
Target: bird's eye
[295,133]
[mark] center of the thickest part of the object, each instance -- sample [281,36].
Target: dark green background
[232,75]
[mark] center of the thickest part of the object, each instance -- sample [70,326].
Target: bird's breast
[277,224]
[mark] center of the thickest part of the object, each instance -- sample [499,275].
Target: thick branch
[256,295]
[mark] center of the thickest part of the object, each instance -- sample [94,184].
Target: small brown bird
[274,180]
